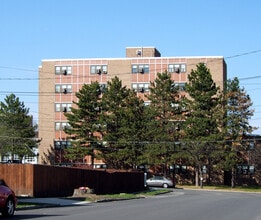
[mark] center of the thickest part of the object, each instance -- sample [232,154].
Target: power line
[160,142]
[18,68]
[251,77]
[243,54]
[18,79]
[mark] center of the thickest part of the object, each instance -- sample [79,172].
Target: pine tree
[238,112]
[16,128]
[84,126]
[122,116]
[165,119]
[202,126]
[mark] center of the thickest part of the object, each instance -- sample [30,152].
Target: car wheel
[165,185]
[9,208]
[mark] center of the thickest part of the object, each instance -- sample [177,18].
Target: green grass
[226,188]
[121,196]
[28,205]
[118,196]
[155,192]
[25,204]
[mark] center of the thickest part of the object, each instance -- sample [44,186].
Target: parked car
[159,181]
[8,200]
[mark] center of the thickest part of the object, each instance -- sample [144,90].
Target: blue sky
[50,29]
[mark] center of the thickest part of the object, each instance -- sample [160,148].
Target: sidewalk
[46,202]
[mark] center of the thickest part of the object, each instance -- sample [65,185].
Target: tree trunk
[233,178]
[196,177]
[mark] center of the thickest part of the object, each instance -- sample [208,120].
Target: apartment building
[59,79]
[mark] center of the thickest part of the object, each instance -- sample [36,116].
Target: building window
[59,145]
[60,126]
[63,107]
[98,69]
[63,70]
[177,68]
[63,88]
[140,87]
[29,159]
[181,86]
[141,68]
[103,88]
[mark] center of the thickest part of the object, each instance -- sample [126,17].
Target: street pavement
[55,201]
[180,204]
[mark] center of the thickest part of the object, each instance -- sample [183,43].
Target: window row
[172,68]
[63,107]
[138,87]
[67,88]
[137,68]
[144,87]
[94,69]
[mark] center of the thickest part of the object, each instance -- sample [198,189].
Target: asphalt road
[179,205]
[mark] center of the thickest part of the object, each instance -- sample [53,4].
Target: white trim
[131,58]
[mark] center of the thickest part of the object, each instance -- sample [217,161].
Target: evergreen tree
[84,126]
[165,119]
[202,126]
[122,116]
[17,132]
[238,112]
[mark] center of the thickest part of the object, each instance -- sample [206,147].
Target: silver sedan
[159,181]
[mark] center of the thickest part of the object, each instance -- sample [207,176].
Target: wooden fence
[50,181]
